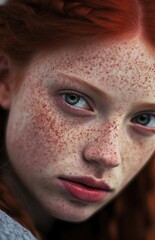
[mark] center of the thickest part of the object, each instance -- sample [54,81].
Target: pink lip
[85,188]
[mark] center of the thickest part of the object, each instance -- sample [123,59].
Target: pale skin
[98,136]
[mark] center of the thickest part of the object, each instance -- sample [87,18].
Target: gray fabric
[11,230]
[2,2]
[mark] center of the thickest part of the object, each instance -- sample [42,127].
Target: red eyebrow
[87,85]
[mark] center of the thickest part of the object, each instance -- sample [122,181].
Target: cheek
[135,155]
[40,135]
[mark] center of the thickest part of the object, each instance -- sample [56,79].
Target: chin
[72,214]
[73,218]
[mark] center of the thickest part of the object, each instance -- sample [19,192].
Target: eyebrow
[142,106]
[147,106]
[78,80]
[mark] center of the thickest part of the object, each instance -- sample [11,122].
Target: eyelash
[80,97]
[144,126]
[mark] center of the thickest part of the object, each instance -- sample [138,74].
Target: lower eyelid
[143,129]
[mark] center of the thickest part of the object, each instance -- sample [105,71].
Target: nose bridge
[105,147]
[108,131]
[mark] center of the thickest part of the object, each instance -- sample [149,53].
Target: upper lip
[89,182]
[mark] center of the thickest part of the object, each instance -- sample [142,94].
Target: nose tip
[105,157]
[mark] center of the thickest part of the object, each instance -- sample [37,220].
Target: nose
[104,150]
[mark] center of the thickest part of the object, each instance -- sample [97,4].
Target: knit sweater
[12,230]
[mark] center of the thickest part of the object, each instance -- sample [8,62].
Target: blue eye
[145,120]
[71,99]
[75,100]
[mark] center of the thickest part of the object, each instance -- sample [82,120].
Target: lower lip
[83,193]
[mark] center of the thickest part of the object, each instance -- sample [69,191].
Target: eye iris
[143,119]
[72,99]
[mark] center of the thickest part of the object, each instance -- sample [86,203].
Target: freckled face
[85,110]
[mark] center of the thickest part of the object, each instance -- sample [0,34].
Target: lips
[86,189]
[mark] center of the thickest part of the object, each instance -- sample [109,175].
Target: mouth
[86,189]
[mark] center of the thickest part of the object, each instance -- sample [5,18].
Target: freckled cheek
[134,156]
[49,138]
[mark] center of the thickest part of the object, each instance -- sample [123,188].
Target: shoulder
[12,230]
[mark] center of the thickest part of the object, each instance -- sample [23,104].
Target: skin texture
[48,138]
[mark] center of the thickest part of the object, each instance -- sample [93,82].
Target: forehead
[126,66]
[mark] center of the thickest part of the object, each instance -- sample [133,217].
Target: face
[82,124]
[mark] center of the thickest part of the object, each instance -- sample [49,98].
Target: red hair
[29,25]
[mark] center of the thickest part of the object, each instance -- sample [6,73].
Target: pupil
[143,119]
[72,99]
